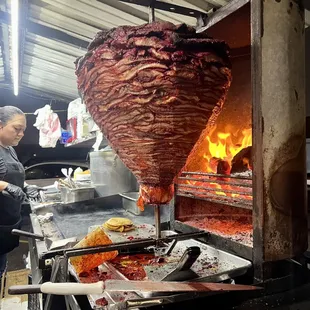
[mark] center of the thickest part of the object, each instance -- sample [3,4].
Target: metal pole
[157,221]
[151,12]
[279,179]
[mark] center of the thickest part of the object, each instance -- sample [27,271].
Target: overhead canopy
[58,31]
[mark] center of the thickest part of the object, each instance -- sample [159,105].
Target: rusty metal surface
[228,225]
[186,208]
[223,25]
[199,185]
[219,242]
[279,211]
[237,203]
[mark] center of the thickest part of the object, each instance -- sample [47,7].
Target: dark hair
[8,112]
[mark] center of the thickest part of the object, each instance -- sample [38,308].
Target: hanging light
[14,44]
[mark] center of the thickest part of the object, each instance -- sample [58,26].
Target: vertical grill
[232,190]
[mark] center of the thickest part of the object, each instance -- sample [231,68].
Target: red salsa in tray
[132,266]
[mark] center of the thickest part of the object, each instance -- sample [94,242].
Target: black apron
[11,171]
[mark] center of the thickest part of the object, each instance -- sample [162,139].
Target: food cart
[266,206]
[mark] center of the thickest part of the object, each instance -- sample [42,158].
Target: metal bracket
[151,12]
[59,274]
[201,21]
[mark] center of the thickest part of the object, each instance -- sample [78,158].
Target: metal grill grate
[232,190]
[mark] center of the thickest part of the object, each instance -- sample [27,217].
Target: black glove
[33,191]
[16,192]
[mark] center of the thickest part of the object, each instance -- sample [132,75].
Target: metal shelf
[86,142]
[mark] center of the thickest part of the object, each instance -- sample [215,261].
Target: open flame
[221,148]
[224,146]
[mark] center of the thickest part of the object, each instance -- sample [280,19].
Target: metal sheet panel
[1,66]
[49,64]
[47,58]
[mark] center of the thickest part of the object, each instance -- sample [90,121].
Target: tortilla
[120,224]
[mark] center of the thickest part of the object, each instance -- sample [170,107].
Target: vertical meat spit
[157,221]
[156,207]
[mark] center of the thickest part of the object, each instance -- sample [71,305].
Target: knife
[124,286]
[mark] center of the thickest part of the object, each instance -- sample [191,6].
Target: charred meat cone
[152,90]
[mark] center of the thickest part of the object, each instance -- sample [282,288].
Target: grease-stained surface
[280,205]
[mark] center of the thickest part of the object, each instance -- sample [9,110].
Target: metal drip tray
[212,265]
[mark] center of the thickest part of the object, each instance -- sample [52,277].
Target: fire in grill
[214,190]
[223,165]
[220,203]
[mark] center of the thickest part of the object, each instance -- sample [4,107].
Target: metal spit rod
[132,244]
[157,221]
[156,207]
[151,13]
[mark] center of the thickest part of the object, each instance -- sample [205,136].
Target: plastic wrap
[48,124]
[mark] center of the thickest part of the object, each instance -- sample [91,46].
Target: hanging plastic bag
[48,124]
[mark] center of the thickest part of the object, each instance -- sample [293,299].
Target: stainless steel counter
[73,220]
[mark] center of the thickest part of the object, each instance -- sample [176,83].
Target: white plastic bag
[48,124]
[85,123]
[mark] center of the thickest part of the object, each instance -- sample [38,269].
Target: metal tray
[111,297]
[212,265]
[129,201]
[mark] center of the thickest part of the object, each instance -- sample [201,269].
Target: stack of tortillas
[119,224]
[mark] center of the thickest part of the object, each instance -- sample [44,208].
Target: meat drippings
[132,266]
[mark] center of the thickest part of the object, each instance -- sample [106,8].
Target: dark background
[308,69]
[29,151]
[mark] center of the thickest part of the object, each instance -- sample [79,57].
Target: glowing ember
[225,145]
[220,148]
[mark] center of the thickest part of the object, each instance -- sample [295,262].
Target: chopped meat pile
[132,266]
[94,276]
[152,90]
[101,302]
